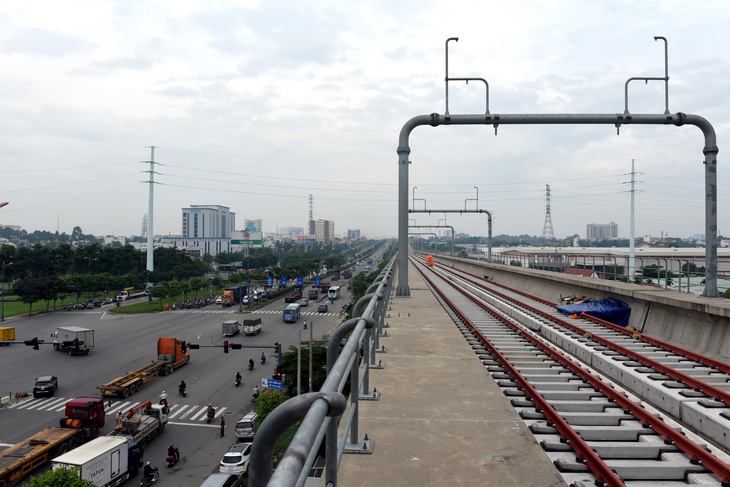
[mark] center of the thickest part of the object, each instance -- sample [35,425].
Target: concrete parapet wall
[686,320]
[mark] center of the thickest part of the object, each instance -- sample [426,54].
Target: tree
[30,290]
[60,477]
[267,401]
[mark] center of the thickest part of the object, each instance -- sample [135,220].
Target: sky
[256,105]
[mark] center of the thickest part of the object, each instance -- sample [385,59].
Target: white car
[219,300]
[235,460]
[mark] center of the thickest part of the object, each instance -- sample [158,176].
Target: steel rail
[710,362]
[698,455]
[696,384]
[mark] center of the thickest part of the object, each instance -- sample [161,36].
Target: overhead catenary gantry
[678,119]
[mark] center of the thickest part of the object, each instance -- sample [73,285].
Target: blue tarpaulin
[608,309]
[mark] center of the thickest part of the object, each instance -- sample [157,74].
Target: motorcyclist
[163,398]
[173,452]
[250,363]
[255,391]
[182,386]
[238,377]
[263,357]
[211,411]
[305,324]
[147,473]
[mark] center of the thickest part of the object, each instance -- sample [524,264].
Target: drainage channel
[596,432]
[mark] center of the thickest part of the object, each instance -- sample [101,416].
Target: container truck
[7,334]
[84,416]
[73,340]
[141,423]
[348,273]
[336,277]
[171,354]
[252,327]
[105,462]
[231,327]
[313,293]
[233,295]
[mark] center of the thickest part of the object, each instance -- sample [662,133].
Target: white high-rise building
[208,221]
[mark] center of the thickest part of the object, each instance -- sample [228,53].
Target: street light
[2,313]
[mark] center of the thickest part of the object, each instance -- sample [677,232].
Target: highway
[128,342]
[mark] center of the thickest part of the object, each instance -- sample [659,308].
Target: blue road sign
[283,281]
[370,262]
[271,384]
[269,281]
[316,281]
[300,281]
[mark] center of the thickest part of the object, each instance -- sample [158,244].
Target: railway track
[609,407]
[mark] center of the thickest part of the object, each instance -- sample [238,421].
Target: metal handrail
[317,411]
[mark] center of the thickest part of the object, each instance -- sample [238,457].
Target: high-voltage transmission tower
[547,230]
[311,207]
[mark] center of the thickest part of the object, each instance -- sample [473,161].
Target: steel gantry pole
[678,119]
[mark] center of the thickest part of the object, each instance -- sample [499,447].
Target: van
[246,426]
[222,480]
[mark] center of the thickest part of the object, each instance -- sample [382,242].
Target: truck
[7,334]
[73,340]
[252,327]
[348,273]
[105,462]
[171,354]
[294,296]
[141,423]
[231,327]
[313,293]
[84,416]
[336,277]
[233,295]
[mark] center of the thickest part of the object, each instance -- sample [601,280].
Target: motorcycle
[183,391]
[147,481]
[210,415]
[238,381]
[263,359]
[170,461]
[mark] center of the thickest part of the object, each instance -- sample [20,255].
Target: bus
[333,293]
[292,313]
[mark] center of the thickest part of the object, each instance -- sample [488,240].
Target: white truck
[73,340]
[105,461]
[231,327]
[252,327]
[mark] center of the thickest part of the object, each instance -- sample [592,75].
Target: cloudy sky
[257,105]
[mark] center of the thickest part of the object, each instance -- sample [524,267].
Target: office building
[605,231]
[323,230]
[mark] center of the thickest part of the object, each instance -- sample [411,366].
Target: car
[219,300]
[246,426]
[304,302]
[47,384]
[235,460]
[222,480]
[322,308]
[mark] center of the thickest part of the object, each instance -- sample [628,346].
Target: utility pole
[150,213]
[632,237]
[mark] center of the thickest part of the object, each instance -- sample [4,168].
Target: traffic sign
[316,281]
[271,384]
[300,281]
[269,281]
[283,281]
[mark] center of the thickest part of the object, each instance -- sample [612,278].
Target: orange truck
[84,416]
[171,354]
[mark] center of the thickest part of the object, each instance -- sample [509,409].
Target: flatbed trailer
[171,354]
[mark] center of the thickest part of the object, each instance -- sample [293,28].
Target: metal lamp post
[2,313]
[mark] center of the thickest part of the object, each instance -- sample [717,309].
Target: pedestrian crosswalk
[187,413]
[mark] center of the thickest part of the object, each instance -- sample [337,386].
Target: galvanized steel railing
[318,411]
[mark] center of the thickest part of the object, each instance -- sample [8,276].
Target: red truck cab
[83,412]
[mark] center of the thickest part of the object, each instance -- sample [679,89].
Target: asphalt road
[126,343]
